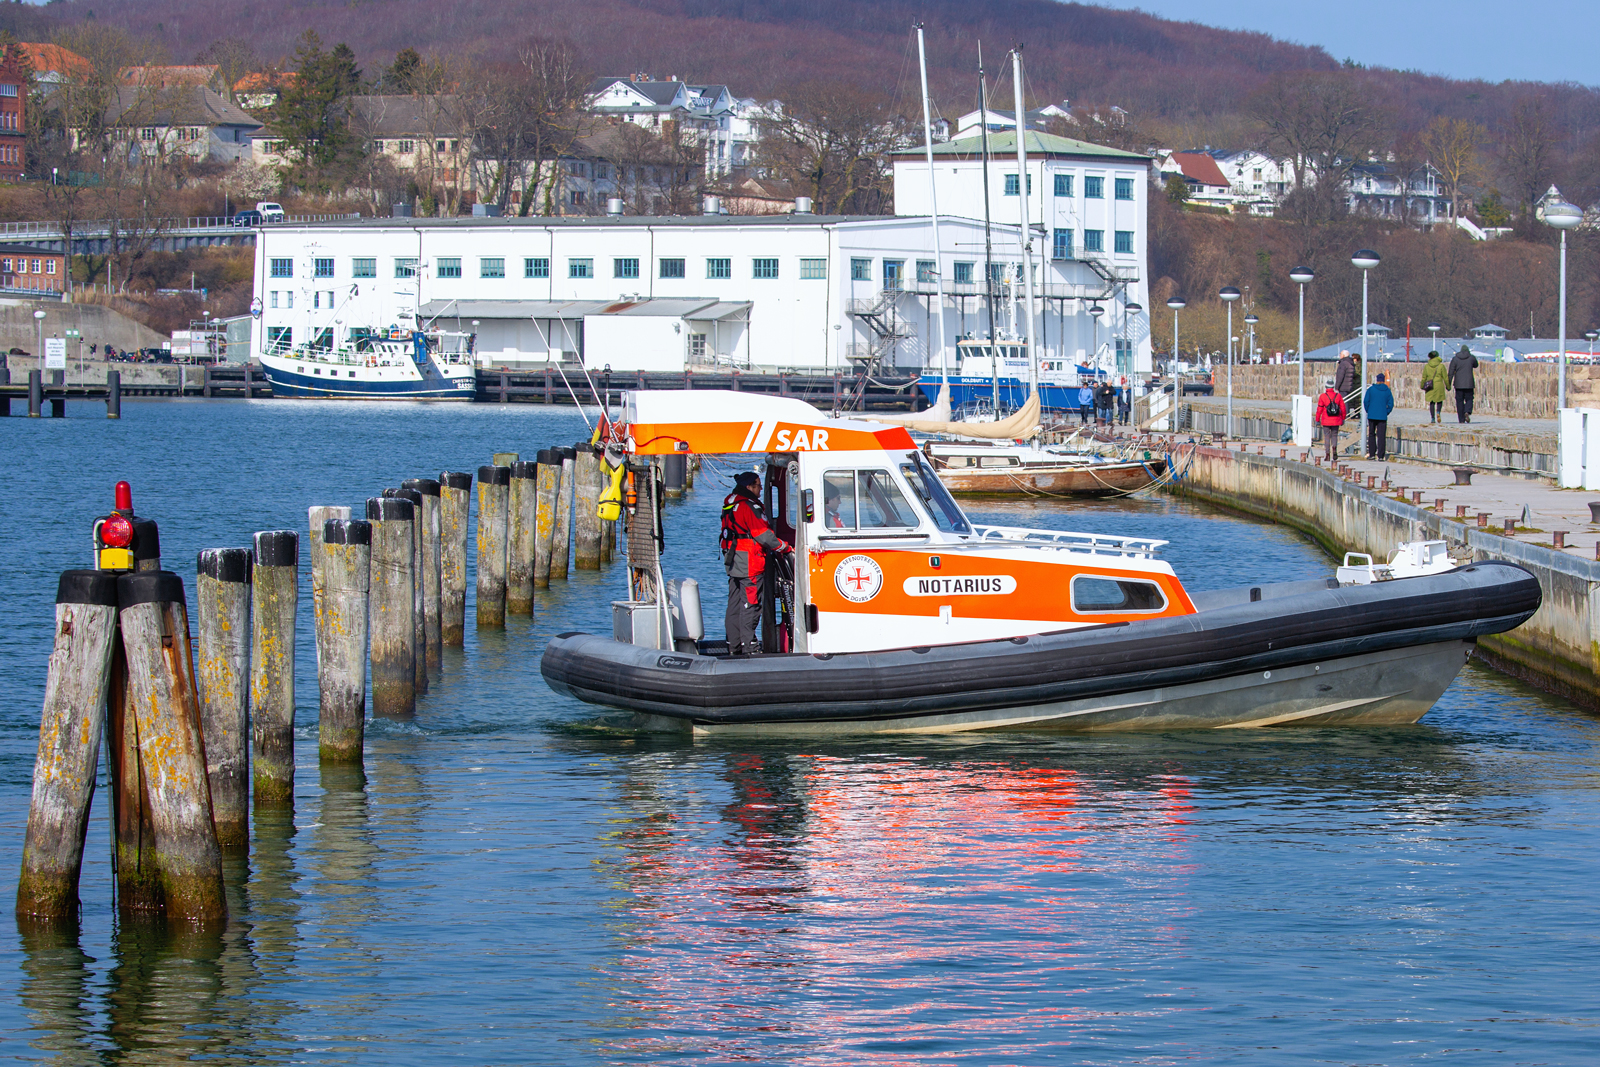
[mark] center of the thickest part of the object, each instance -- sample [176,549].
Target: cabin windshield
[865,500]
[942,507]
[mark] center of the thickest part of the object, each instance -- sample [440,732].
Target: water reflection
[56,974]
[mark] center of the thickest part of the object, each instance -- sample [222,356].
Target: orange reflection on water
[830,890]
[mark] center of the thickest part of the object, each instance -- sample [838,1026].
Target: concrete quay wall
[1557,650]
[1513,390]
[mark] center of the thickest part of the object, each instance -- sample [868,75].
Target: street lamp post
[1177,304]
[1563,216]
[1130,313]
[1095,311]
[1434,328]
[1302,276]
[1364,259]
[1228,295]
[1593,336]
[1250,320]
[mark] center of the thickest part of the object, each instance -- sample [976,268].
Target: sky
[1534,40]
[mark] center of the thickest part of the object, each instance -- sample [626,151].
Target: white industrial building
[794,291]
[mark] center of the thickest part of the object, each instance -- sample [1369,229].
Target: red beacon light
[124,497]
[117,531]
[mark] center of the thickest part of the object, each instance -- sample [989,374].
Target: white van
[270,212]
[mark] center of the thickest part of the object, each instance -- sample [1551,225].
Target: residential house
[26,269]
[202,75]
[429,136]
[260,89]
[1201,176]
[14,73]
[51,64]
[648,173]
[710,116]
[189,121]
[1007,120]
[1376,189]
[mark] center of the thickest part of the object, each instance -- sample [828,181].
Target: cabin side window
[1102,594]
[865,500]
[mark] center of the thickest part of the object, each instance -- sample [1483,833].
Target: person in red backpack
[746,539]
[1331,414]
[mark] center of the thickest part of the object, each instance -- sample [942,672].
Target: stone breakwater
[1557,650]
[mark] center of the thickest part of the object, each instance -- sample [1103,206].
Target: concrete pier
[1557,650]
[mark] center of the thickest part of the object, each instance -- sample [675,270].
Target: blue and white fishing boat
[993,375]
[396,363]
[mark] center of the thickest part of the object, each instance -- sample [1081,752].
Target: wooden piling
[390,605]
[522,507]
[165,713]
[317,517]
[419,606]
[561,542]
[342,637]
[68,758]
[35,394]
[275,594]
[222,677]
[494,493]
[585,507]
[432,528]
[114,394]
[455,501]
[548,486]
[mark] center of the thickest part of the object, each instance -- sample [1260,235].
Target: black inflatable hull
[1309,653]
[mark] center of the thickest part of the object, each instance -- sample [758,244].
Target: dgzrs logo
[858,578]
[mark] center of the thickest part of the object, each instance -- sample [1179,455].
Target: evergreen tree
[402,77]
[313,117]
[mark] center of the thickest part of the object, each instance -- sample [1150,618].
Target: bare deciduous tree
[1452,146]
[833,140]
[1325,124]
[1527,149]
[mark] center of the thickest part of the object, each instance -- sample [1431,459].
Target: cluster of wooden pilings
[195,738]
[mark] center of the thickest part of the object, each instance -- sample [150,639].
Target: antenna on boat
[936,326]
[988,230]
[1025,233]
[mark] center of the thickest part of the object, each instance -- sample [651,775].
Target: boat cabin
[884,556]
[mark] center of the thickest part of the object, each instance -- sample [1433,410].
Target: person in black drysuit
[746,539]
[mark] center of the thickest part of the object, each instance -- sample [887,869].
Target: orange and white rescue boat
[899,614]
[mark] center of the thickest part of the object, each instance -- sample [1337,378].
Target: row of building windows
[1093,241]
[539,267]
[1094,187]
[22,266]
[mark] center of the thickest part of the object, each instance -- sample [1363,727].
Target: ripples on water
[510,880]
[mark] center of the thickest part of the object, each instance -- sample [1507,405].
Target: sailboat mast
[936,326]
[1025,231]
[988,231]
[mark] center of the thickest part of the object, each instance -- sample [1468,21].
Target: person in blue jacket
[1379,402]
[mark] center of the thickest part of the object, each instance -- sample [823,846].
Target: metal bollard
[113,394]
[275,595]
[35,394]
[391,604]
[68,757]
[522,501]
[185,860]
[455,502]
[342,639]
[222,677]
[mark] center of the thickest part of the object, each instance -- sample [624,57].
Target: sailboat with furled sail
[973,459]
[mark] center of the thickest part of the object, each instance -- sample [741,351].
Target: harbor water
[514,879]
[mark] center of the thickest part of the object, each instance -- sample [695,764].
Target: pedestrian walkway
[1400,416]
[1538,509]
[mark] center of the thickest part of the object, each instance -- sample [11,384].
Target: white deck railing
[1079,542]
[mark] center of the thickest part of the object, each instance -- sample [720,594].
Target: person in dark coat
[1462,364]
[746,539]
[1379,402]
[1344,375]
[1105,400]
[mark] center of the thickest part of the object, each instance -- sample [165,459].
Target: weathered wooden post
[522,507]
[432,527]
[561,543]
[317,517]
[390,625]
[342,637]
[455,502]
[162,703]
[275,594]
[68,759]
[494,492]
[585,514]
[419,606]
[548,485]
[222,675]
